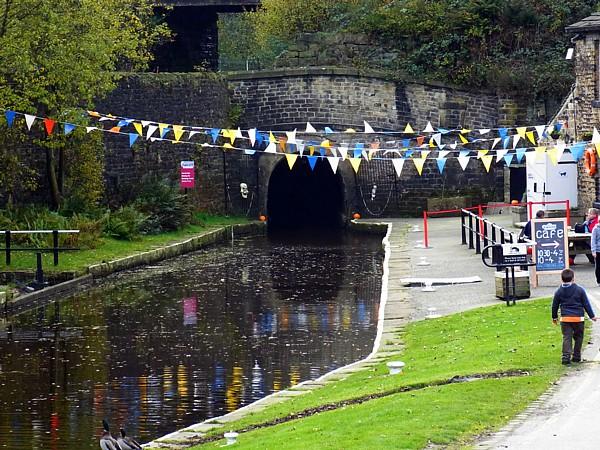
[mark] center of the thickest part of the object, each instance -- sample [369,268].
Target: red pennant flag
[49,125]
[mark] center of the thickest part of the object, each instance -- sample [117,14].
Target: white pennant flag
[333,162]
[238,134]
[516,138]
[453,146]
[549,130]
[145,123]
[540,130]
[368,128]
[252,136]
[428,128]
[398,164]
[29,119]
[310,128]
[463,161]
[271,148]
[484,131]
[300,146]
[88,129]
[343,149]
[437,137]
[151,130]
[192,133]
[595,137]
[442,154]
[291,136]
[496,142]
[500,154]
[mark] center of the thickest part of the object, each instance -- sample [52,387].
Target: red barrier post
[568,213]
[529,210]
[425,232]
[480,214]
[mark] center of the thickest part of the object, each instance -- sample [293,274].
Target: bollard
[395,367]
[231,437]
[428,286]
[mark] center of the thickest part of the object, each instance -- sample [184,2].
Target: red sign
[187,174]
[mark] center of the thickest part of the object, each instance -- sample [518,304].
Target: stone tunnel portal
[302,197]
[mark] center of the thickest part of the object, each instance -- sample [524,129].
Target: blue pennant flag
[505,142]
[502,132]
[124,122]
[405,142]
[408,153]
[312,161]
[441,162]
[291,148]
[10,117]
[264,138]
[132,138]
[164,132]
[249,152]
[520,153]
[69,127]
[508,159]
[577,150]
[328,130]
[358,148]
[443,130]
[558,126]
[323,151]
[214,132]
[259,139]
[463,153]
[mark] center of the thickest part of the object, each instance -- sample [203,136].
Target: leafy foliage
[516,45]
[124,223]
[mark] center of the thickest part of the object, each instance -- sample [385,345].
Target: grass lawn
[496,339]
[110,249]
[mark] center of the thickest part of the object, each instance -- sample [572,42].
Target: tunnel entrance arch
[305,197]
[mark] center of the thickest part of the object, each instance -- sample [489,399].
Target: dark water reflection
[170,345]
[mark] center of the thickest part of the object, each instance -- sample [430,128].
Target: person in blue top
[573,303]
[595,245]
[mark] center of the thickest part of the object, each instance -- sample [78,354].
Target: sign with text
[514,254]
[551,244]
[187,174]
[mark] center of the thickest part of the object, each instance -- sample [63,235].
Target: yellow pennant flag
[282,143]
[553,155]
[272,137]
[311,150]
[597,148]
[419,164]
[178,131]
[463,139]
[431,143]
[138,128]
[465,131]
[355,162]
[408,129]
[521,131]
[326,145]
[487,161]
[425,154]
[531,136]
[291,159]
[481,153]
[539,151]
[227,145]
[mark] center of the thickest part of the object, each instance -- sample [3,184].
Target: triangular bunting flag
[138,128]
[481,153]
[49,125]
[368,128]
[333,162]
[484,131]
[595,136]
[520,152]
[508,159]
[29,119]
[300,146]
[408,129]
[10,117]
[355,163]
[178,132]
[343,152]
[560,149]
[88,129]
[150,131]
[463,159]
[540,130]
[441,163]
[145,123]
[398,164]
[521,131]
[487,161]
[531,137]
[463,139]
[419,162]
[502,132]
[312,162]
[291,159]
[68,128]
[437,137]
[161,129]
[428,128]
[252,136]
[132,138]
[539,153]
[310,128]
[214,133]
[291,136]
[420,140]
[516,139]
[552,152]
[500,154]
[496,140]
[577,150]
[271,148]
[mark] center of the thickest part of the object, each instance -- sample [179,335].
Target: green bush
[164,205]
[125,223]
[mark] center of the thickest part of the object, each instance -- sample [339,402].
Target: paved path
[552,422]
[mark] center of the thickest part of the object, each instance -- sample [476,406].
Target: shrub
[125,223]
[164,205]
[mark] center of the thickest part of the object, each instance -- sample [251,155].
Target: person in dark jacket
[573,303]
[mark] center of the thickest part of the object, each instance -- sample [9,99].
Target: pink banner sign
[189,311]
[187,174]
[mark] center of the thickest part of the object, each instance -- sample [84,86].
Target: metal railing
[478,232]
[55,249]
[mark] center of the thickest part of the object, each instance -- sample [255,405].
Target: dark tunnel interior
[305,198]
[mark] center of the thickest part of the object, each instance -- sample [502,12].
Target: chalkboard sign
[551,244]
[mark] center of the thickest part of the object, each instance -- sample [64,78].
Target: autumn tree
[59,55]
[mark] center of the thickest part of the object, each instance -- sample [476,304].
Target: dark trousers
[572,331]
[597,270]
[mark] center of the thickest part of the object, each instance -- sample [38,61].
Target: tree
[59,55]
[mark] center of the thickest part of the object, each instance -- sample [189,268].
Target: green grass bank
[465,374]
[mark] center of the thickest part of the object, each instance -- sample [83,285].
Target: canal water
[166,346]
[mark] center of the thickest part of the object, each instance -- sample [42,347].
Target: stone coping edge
[355,226]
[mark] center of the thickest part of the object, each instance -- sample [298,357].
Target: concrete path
[570,404]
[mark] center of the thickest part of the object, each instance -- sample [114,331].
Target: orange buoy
[356,216]
[514,202]
[590,162]
[262,218]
